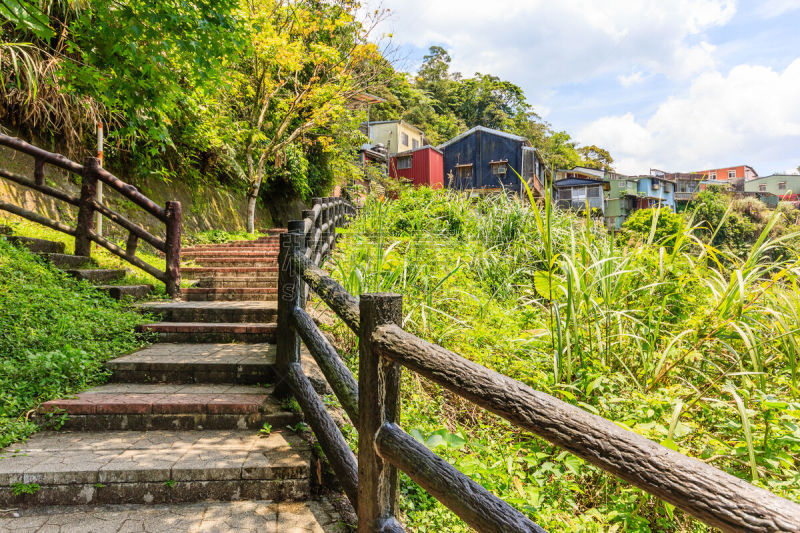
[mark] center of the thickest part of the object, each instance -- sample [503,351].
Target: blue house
[653,191]
[487,160]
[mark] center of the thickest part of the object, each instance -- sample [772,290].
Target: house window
[762,188]
[403,162]
[404,139]
[499,168]
[667,188]
[782,186]
[731,174]
[464,171]
[712,176]
[579,193]
[415,144]
[565,194]
[655,185]
[594,192]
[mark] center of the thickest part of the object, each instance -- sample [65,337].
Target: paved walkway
[207,517]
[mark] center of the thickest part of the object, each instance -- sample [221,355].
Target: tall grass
[686,343]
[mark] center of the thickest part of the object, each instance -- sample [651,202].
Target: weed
[265,430]
[18,489]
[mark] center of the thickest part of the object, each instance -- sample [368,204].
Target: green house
[620,199]
[772,189]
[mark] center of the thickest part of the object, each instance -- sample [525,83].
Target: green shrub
[56,334]
[668,225]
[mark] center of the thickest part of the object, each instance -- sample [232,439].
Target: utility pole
[99,224]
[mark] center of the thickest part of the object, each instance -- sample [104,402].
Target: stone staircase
[187,435]
[80,267]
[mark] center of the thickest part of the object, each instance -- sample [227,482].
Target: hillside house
[775,188]
[486,160]
[395,135]
[744,172]
[621,199]
[577,193]
[423,166]
[655,190]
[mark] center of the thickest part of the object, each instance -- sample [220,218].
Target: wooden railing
[320,223]
[372,404]
[87,204]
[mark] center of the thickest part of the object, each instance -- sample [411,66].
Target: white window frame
[781,185]
[404,139]
[732,174]
[712,176]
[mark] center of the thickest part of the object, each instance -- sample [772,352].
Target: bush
[668,225]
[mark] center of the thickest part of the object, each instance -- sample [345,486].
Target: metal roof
[487,130]
[409,152]
[403,122]
[576,182]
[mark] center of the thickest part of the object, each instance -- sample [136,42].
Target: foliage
[660,339]
[445,103]
[657,225]
[56,334]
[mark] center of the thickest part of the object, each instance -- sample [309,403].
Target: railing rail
[87,204]
[711,495]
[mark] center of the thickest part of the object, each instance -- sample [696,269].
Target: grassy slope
[56,333]
[658,339]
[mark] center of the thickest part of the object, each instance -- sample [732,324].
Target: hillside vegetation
[56,334]
[692,345]
[263,99]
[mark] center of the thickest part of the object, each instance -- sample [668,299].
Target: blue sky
[681,85]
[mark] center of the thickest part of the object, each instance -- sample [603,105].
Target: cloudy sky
[678,85]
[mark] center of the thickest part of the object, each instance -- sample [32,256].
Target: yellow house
[395,135]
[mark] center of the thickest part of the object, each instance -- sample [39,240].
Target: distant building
[423,166]
[395,135]
[621,199]
[581,173]
[655,190]
[577,193]
[729,173]
[483,159]
[781,187]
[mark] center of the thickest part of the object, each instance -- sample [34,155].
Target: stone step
[130,467]
[246,254]
[96,275]
[66,260]
[203,294]
[208,363]
[118,292]
[38,245]
[233,248]
[239,262]
[267,278]
[196,363]
[191,273]
[145,407]
[220,332]
[260,516]
[248,311]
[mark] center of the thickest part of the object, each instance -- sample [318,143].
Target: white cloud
[536,41]
[774,8]
[752,112]
[631,79]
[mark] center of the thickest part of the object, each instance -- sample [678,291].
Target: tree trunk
[252,197]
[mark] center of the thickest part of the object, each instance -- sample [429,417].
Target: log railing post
[378,389]
[174,214]
[290,295]
[85,224]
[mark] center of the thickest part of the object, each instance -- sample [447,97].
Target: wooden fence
[90,173]
[372,404]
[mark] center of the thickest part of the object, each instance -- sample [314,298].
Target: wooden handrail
[90,172]
[713,496]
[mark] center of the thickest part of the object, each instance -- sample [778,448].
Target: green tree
[596,157]
[304,62]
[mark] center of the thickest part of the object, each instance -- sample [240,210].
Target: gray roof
[487,130]
[418,149]
[577,182]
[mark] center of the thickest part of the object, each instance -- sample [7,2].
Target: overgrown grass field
[659,328]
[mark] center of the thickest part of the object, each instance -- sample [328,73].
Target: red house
[421,166]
